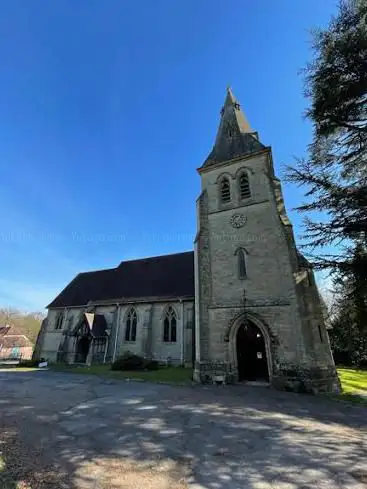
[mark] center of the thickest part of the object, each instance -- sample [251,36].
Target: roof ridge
[155,257]
[96,271]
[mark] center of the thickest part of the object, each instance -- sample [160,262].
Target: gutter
[130,300]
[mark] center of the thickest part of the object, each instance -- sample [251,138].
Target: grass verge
[7,368]
[354,382]
[354,385]
[171,375]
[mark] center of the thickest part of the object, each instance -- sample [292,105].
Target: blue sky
[107,109]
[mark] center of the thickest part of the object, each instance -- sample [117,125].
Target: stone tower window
[241,263]
[170,326]
[244,186]
[131,324]
[225,191]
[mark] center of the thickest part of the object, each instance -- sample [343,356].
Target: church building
[243,306]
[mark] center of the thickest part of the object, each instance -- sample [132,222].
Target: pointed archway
[90,339]
[82,349]
[251,353]
[250,348]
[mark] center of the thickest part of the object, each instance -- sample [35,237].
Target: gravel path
[60,430]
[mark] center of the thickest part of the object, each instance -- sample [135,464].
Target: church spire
[232,113]
[234,137]
[230,98]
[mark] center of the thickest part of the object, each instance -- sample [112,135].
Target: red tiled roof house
[14,345]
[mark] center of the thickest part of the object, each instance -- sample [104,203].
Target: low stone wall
[310,380]
[287,377]
[212,372]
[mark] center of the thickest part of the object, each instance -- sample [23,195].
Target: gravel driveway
[72,431]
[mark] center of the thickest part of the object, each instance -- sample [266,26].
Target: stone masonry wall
[272,287]
[204,279]
[149,336]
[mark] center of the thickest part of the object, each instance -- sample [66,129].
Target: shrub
[128,361]
[151,365]
[29,363]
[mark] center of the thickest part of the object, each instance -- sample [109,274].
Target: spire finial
[230,98]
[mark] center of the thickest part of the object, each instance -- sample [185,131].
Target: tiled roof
[160,276]
[12,329]
[15,341]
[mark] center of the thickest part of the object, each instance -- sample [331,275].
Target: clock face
[238,220]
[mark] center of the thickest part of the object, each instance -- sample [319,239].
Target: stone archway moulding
[232,335]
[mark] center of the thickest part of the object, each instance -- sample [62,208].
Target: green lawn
[354,385]
[17,368]
[173,375]
[354,382]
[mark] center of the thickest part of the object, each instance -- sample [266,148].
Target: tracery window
[131,325]
[170,326]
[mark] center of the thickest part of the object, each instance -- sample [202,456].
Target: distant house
[14,345]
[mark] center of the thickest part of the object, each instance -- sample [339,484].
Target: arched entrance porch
[82,349]
[90,340]
[250,349]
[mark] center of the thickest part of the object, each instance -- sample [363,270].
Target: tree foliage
[335,171]
[348,335]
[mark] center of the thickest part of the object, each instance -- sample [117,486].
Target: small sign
[259,355]
[219,379]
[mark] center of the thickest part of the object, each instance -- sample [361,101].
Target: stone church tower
[259,315]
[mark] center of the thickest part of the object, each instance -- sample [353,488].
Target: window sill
[226,205]
[248,200]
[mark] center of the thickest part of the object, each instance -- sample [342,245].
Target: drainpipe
[182,333]
[197,308]
[105,350]
[117,332]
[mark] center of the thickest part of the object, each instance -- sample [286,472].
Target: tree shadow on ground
[23,466]
[113,435]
